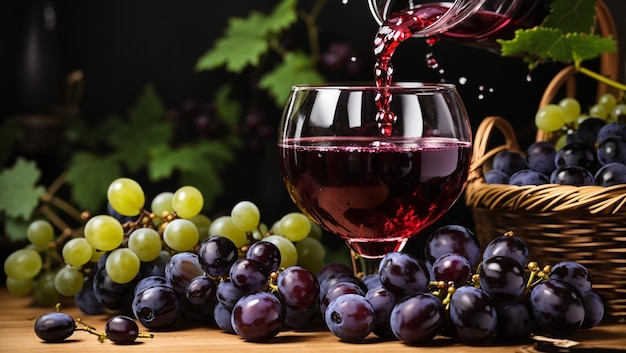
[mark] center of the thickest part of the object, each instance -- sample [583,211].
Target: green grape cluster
[130,235]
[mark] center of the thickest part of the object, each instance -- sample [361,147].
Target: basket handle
[481,154]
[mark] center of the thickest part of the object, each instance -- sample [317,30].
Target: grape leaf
[245,40]
[20,194]
[571,16]
[296,68]
[90,176]
[165,160]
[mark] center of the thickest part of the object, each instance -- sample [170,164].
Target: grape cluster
[588,150]
[457,292]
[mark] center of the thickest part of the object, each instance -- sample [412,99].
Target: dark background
[122,45]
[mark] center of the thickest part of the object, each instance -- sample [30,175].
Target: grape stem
[598,77]
[92,330]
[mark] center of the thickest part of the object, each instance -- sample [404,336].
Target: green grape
[122,265]
[295,226]
[20,287]
[572,109]
[40,233]
[187,202]
[145,243]
[77,252]
[104,232]
[162,203]
[23,264]
[288,252]
[311,254]
[550,117]
[181,235]
[96,254]
[608,100]
[225,227]
[560,142]
[69,281]
[599,111]
[126,196]
[617,111]
[203,223]
[276,227]
[246,215]
[316,231]
[260,232]
[44,291]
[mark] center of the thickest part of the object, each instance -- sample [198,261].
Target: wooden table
[17,317]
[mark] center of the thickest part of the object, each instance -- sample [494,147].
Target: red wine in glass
[372,194]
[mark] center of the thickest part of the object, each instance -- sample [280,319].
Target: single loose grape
[122,265]
[104,232]
[295,226]
[126,196]
[181,234]
[40,232]
[187,201]
[550,117]
[246,215]
[77,251]
[23,264]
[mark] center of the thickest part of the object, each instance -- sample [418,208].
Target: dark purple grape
[331,269]
[54,327]
[579,154]
[453,239]
[417,319]
[616,128]
[301,319]
[572,175]
[249,275]
[540,157]
[495,176]
[472,314]
[594,310]
[611,174]
[298,288]
[372,281]
[182,268]
[383,302]
[150,281]
[201,290]
[121,329]
[338,290]
[112,295]
[403,274]
[509,162]
[612,149]
[157,308]
[258,316]
[502,278]
[452,268]
[350,317]
[557,307]
[588,130]
[337,57]
[341,277]
[573,273]
[266,253]
[155,267]
[507,245]
[216,255]
[528,177]
[207,124]
[222,316]
[86,299]
[228,295]
[514,321]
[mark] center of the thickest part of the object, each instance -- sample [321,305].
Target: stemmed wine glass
[374,165]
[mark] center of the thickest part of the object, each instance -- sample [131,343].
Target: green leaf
[19,194]
[585,47]
[296,68]
[165,160]
[90,176]
[572,16]
[246,40]
[15,228]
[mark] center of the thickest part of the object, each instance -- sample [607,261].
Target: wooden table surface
[17,317]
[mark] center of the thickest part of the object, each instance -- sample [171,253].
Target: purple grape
[528,177]
[372,281]
[228,295]
[417,319]
[266,253]
[472,314]
[540,157]
[331,269]
[155,267]
[452,268]
[86,299]
[341,277]
[222,317]
[594,310]
[54,326]
[616,128]
[150,281]
[557,307]
[338,290]
[383,302]
[350,317]
[507,245]
[509,162]
[298,288]
[403,274]
[157,308]
[121,329]
[612,149]
[453,239]
[611,174]
[502,278]
[588,130]
[112,295]
[494,176]
[182,268]
[258,316]
[201,290]
[514,321]
[301,319]
[216,255]
[574,274]
[572,175]
[579,154]
[249,275]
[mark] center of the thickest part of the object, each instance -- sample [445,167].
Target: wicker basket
[559,222]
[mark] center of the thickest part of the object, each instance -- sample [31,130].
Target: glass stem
[363,266]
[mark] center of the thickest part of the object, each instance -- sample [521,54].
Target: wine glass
[374,174]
